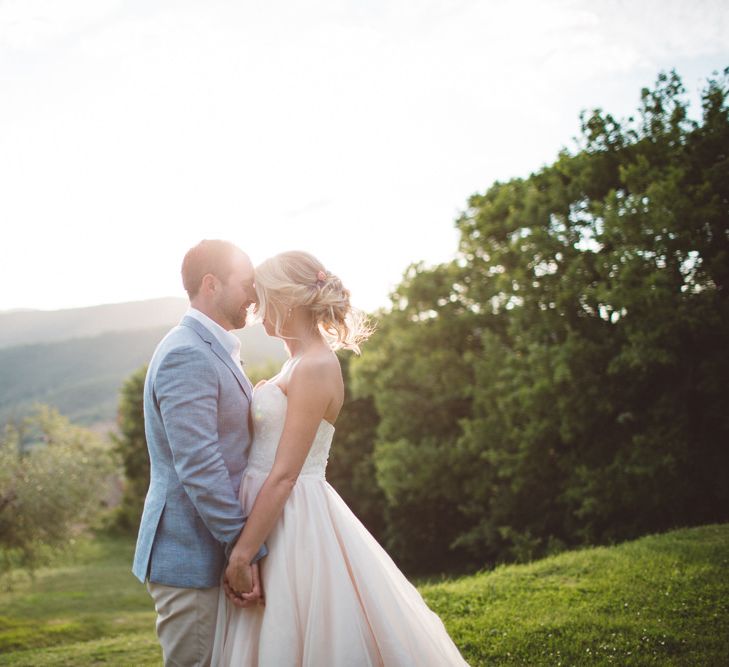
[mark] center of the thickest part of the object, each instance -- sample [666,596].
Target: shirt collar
[229,341]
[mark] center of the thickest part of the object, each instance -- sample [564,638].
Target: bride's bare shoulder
[318,366]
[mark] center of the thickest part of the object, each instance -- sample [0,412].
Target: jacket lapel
[220,352]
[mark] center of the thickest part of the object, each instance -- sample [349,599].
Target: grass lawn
[661,600]
[88,611]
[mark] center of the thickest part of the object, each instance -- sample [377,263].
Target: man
[196,405]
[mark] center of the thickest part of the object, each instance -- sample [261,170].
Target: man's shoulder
[181,336]
[179,341]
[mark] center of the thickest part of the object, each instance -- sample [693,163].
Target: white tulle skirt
[334,598]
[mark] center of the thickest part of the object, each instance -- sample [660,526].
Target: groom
[196,405]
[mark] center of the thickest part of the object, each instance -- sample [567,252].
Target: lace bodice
[269,414]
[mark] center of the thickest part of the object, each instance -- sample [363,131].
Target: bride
[333,596]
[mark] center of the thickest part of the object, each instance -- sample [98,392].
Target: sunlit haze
[354,130]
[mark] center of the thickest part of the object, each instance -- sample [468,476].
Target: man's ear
[209,283]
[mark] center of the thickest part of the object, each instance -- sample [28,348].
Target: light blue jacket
[196,406]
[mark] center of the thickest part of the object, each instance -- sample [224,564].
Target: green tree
[418,372]
[615,262]
[53,476]
[131,445]
[564,379]
[351,469]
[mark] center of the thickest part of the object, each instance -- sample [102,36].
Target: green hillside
[82,376]
[661,600]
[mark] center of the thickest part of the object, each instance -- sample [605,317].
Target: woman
[333,596]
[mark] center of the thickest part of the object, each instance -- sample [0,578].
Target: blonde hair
[296,279]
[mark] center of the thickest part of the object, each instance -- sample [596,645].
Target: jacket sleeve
[186,390]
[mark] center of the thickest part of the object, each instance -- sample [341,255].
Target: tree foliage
[564,380]
[52,480]
[131,445]
[351,469]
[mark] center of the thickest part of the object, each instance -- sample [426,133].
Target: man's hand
[239,598]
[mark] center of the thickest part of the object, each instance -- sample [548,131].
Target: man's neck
[208,312]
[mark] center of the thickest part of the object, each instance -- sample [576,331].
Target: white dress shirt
[229,341]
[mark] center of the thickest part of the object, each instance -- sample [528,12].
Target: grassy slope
[91,611]
[661,600]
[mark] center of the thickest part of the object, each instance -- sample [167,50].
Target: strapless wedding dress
[334,598]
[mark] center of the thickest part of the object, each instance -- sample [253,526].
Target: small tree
[52,478]
[131,445]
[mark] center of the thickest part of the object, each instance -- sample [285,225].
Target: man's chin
[241,321]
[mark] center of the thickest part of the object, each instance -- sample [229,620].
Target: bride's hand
[256,594]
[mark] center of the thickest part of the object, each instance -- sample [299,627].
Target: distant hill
[21,327]
[82,376]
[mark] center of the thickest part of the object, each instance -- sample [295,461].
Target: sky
[356,130]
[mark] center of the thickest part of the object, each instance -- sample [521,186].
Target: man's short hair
[209,256]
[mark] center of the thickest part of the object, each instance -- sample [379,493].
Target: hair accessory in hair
[320,278]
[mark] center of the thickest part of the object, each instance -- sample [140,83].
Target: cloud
[665,29]
[32,24]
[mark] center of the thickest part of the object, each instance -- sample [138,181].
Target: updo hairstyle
[296,279]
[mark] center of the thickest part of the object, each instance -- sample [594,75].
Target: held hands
[242,584]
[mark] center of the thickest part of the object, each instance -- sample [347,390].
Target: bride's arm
[308,399]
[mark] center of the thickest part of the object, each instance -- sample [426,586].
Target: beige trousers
[185,623]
